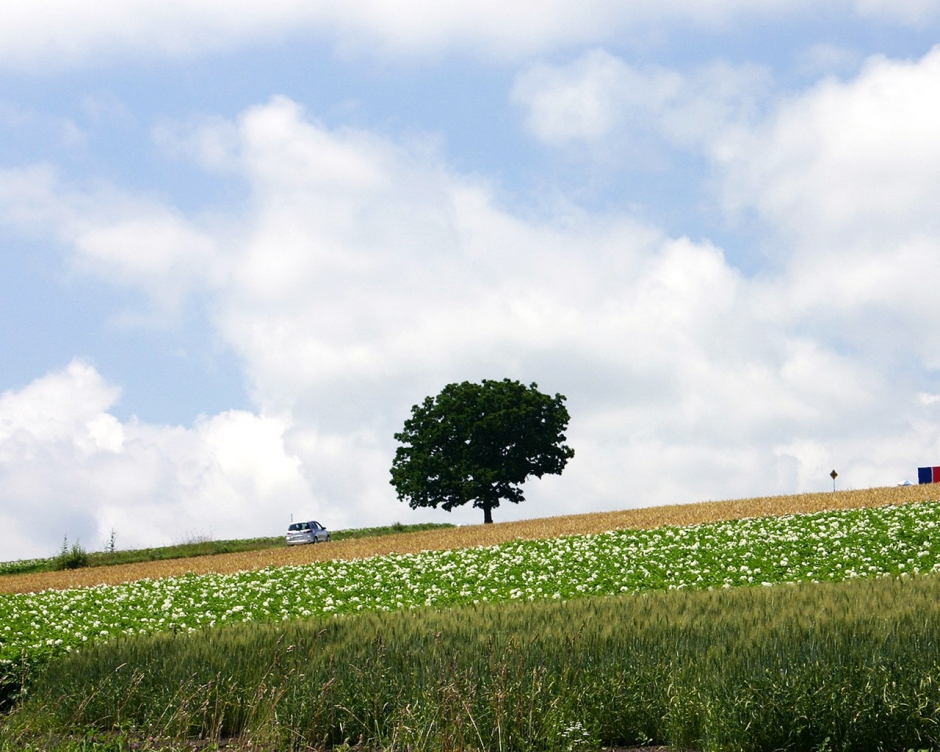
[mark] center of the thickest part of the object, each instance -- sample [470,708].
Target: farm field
[837,666]
[872,538]
[464,537]
[816,547]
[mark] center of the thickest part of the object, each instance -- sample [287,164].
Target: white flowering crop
[826,546]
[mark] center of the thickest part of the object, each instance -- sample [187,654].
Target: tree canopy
[479,443]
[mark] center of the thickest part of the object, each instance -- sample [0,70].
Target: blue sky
[237,243]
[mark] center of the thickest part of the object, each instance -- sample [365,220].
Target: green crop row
[848,666]
[828,546]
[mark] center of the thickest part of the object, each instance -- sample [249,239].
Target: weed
[73,557]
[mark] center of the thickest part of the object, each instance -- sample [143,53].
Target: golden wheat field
[474,535]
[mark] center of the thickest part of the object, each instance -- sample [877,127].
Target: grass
[531,563]
[76,557]
[824,546]
[848,666]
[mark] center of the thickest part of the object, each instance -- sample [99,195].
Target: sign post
[833,475]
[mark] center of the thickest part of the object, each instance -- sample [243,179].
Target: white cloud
[16,120]
[52,33]
[906,11]
[600,100]
[828,59]
[847,175]
[581,101]
[843,176]
[61,407]
[129,241]
[69,468]
[857,159]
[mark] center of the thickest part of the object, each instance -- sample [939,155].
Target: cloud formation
[848,160]
[847,176]
[66,463]
[600,101]
[127,240]
[53,33]
[842,176]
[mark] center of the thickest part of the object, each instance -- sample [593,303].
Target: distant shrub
[74,557]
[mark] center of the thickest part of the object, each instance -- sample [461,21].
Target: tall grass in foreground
[848,666]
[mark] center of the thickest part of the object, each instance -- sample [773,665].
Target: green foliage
[849,666]
[111,556]
[396,528]
[70,558]
[184,550]
[479,443]
[25,566]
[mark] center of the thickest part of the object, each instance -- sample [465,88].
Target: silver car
[307,532]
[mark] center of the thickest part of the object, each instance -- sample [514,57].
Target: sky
[238,241]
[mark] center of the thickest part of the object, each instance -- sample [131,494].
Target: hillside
[475,535]
[776,631]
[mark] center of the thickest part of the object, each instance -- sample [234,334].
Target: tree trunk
[487,514]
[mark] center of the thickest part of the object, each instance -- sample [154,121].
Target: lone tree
[479,442]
